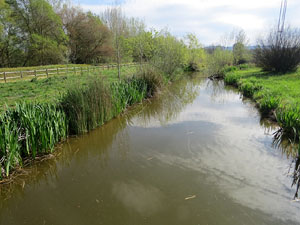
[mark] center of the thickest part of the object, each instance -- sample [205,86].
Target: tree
[280,51]
[239,48]
[218,60]
[40,29]
[116,21]
[195,54]
[169,52]
[89,38]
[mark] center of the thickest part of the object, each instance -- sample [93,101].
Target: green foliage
[232,79]
[249,87]
[288,118]
[195,55]
[90,106]
[142,46]
[27,130]
[87,107]
[34,34]
[169,53]
[219,59]
[268,104]
[88,36]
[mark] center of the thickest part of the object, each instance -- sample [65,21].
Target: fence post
[67,70]
[88,69]
[74,70]
[21,74]
[57,71]
[5,77]
[47,73]
[35,73]
[81,71]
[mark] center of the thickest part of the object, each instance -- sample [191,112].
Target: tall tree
[41,31]
[11,53]
[239,47]
[89,38]
[115,19]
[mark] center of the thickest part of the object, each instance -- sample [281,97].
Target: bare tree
[115,19]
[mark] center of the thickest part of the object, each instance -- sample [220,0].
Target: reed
[28,130]
[89,107]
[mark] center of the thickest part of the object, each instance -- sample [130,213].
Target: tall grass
[28,130]
[86,107]
[89,107]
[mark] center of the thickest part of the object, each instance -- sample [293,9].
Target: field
[49,89]
[284,87]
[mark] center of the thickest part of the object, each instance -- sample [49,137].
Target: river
[196,154]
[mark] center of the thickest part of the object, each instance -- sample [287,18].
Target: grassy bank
[47,90]
[29,129]
[277,95]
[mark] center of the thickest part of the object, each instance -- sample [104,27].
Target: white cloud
[208,19]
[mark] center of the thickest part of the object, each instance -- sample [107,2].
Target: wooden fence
[57,71]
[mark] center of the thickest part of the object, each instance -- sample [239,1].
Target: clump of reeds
[288,118]
[28,130]
[87,107]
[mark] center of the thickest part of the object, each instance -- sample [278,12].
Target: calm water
[197,154]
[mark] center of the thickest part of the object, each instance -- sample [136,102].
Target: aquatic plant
[27,130]
[248,88]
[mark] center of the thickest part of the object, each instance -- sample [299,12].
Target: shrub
[279,52]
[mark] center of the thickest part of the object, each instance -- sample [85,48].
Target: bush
[279,52]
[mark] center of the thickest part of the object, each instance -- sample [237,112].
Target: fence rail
[9,75]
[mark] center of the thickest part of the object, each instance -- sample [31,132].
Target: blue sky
[210,20]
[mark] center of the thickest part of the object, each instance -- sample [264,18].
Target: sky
[210,20]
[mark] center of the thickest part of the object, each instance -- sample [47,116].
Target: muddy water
[197,154]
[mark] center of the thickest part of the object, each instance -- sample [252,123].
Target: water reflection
[167,108]
[146,200]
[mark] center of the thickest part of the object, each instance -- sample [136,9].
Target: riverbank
[277,95]
[33,128]
[48,90]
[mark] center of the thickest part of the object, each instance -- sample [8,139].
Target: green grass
[41,67]
[48,90]
[274,93]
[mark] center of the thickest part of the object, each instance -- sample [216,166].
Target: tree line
[43,32]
